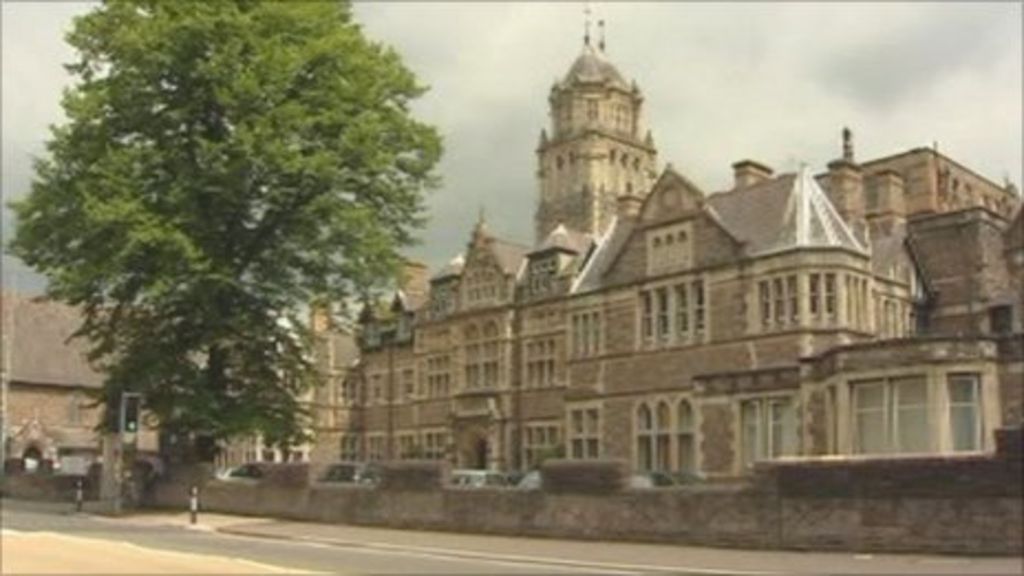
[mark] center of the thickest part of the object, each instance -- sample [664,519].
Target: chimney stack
[888,206]
[628,206]
[414,281]
[747,173]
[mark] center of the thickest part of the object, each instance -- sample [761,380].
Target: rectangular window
[540,442]
[765,297]
[779,298]
[584,433]
[891,416]
[682,311]
[647,319]
[830,295]
[663,314]
[699,315]
[769,429]
[792,297]
[965,412]
[814,295]
[911,425]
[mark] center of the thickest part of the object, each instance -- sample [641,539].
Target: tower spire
[586,24]
[600,26]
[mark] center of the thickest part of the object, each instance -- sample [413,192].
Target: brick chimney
[747,173]
[415,280]
[887,208]
[846,190]
[628,206]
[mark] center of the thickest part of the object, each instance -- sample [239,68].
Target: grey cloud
[773,81]
[902,62]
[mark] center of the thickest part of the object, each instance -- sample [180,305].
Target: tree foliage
[223,163]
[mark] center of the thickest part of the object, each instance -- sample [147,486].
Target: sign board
[73,466]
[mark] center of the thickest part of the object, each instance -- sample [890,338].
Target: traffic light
[131,406]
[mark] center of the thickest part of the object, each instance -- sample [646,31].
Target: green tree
[223,164]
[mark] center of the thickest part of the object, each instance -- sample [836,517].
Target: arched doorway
[474,449]
[32,457]
[480,455]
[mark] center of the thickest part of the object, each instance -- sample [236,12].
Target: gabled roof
[452,268]
[603,256]
[509,255]
[786,212]
[38,331]
[564,240]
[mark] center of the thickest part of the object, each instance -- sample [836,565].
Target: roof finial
[847,144]
[586,24]
[600,25]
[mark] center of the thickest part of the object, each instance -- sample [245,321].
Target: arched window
[644,438]
[685,438]
[663,440]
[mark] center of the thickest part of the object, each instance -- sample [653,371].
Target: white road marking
[513,559]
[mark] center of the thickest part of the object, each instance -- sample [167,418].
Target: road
[49,538]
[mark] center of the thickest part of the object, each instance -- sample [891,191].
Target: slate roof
[510,256]
[786,212]
[40,351]
[601,258]
[592,67]
[452,268]
[566,240]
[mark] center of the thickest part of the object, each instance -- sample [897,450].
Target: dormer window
[542,274]
[669,248]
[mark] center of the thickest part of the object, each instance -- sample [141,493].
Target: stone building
[873,308]
[49,413]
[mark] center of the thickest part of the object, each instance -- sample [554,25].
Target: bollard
[193,504]
[78,495]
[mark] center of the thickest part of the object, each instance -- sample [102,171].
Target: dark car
[351,473]
[250,471]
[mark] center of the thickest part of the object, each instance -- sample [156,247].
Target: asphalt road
[20,518]
[156,542]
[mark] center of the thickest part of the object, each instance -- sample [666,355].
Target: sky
[722,82]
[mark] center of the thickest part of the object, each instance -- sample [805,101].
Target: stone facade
[872,308]
[49,408]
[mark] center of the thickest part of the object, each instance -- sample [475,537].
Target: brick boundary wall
[963,505]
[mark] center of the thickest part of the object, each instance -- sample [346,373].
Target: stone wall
[927,505]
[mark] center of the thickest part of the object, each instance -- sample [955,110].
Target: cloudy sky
[773,82]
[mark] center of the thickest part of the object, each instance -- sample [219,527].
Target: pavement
[276,545]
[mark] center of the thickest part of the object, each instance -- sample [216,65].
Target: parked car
[352,473]
[645,480]
[478,479]
[251,471]
[530,481]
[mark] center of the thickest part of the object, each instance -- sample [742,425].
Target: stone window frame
[891,412]
[376,446]
[435,443]
[438,375]
[587,333]
[649,334]
[584,442]
[349,447]
[663,248]
[764,433]
[665,435]
[550,431]
[408,445]
[540,362]
[542,272]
